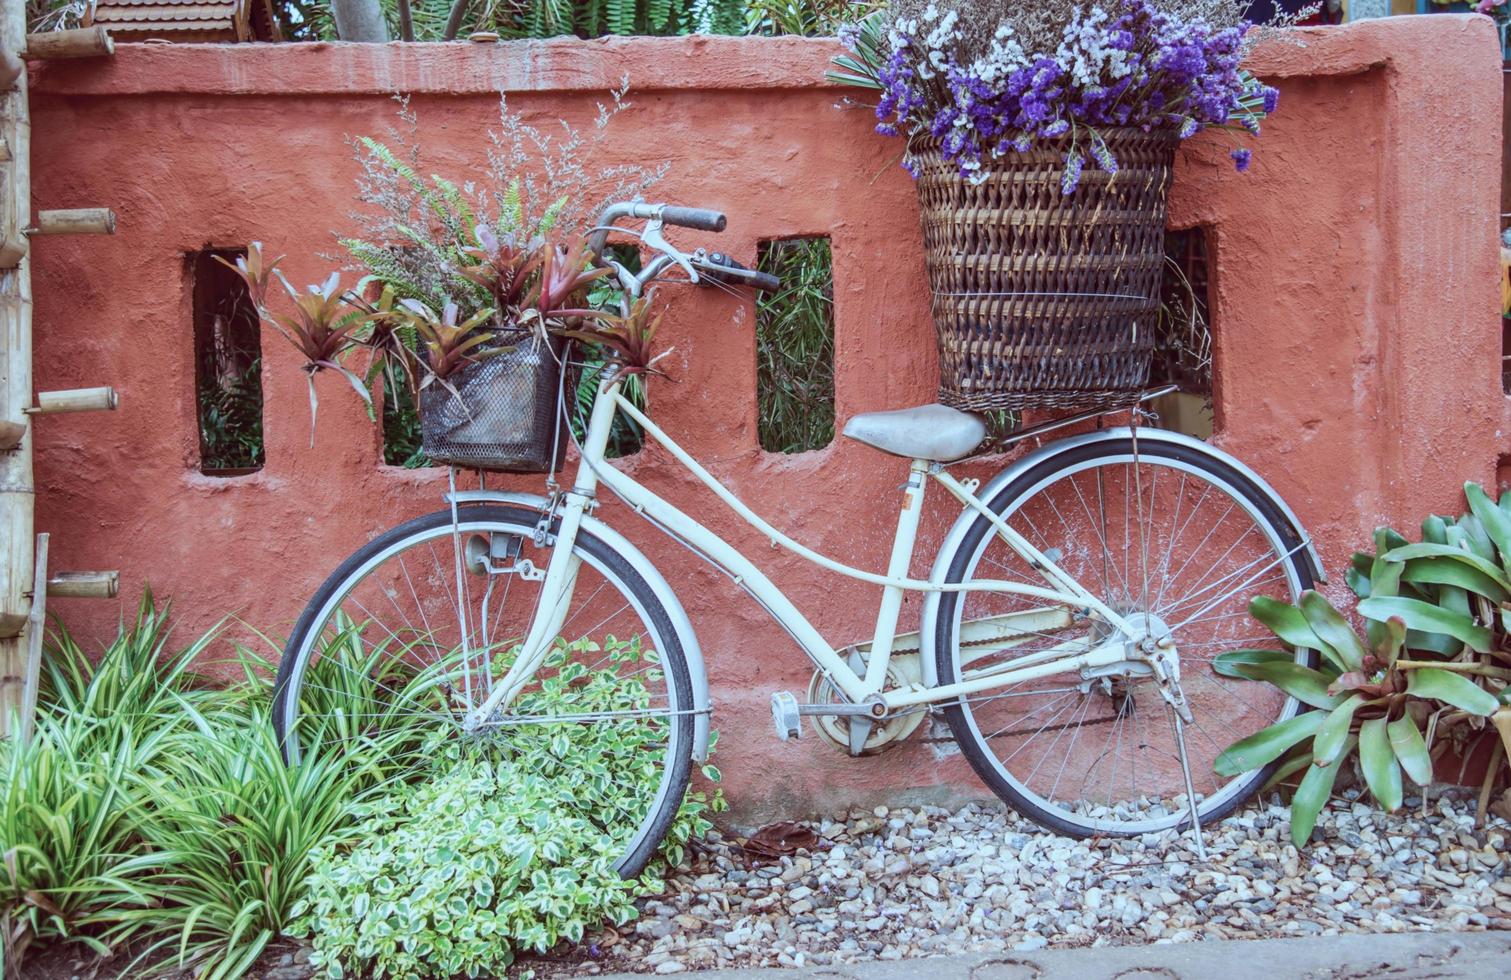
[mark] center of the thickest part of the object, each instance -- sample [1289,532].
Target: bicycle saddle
[933,432]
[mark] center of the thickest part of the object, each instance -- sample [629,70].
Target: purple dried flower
[1241,158]
[1127,63]
[1103,156]
[1071,179]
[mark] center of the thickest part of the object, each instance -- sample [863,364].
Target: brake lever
[652,236]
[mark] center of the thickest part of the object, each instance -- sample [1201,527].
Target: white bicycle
[1067,637]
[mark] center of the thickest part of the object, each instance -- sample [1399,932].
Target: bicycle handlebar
[719,268]
[699,218]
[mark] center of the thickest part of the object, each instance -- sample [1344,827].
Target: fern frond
[658,16]
[552,215]
[511,212]
[619,16]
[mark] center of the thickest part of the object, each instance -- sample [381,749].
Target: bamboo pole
[17,535]
[84,585]
[74,221]
[86,42]
[12,246]
[36,623]
[75,400]
[11,67]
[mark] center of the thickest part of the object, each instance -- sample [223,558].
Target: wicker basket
[1043,300]
[503,414]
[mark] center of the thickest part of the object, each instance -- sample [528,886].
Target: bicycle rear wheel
[1173,538]
[416,627]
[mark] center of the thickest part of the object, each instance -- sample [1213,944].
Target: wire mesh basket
[1043,299]
[503,413]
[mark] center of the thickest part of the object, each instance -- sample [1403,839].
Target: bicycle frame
[1066,601]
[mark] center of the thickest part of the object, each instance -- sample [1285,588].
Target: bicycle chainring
[903,670]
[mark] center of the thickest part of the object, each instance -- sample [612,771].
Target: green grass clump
[795,347]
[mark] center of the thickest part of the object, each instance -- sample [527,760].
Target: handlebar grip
[699,218]
[764,281]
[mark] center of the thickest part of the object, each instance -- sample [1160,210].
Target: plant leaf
[1265,746]
[1381,771]
[1302,683]
[1429,550]
[1288,623]
[1294,763]
[1332,629]
[1384,577]
[1450,688]
[1449,571]
[1407,743]
[1496,522]
[1428,618]
[1225,664]
[1311,796]
[1333,734]
[1392,639]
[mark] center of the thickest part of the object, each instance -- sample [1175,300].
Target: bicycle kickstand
[1185,768]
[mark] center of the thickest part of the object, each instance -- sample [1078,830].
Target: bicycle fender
[929,619]
[697,672]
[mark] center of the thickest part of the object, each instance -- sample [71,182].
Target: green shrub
[226,832]
[152,807]
[66,824]
[503,844]
[451,874]
[795,347]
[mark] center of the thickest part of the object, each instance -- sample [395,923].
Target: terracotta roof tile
[218,13]
[204,20]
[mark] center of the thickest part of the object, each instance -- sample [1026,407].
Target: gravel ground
[889,884]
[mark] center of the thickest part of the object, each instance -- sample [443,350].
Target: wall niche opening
[227,366]
[795,346]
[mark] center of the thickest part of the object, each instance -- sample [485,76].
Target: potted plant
[1042,137]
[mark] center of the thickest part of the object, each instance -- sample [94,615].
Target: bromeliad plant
[325,325]
[987,80]
[628,339]
[446,346]
[1430,672]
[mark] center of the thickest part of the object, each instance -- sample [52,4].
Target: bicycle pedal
[785,716]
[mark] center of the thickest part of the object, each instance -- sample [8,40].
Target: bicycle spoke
[414,638]
[1177,552]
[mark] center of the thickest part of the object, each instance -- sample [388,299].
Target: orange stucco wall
[1354,294]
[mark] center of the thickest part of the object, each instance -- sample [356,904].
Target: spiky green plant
[1430,674]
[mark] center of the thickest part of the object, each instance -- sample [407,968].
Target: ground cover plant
[152,816]
[1428,679]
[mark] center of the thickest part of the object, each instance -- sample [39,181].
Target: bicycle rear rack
[1034,431]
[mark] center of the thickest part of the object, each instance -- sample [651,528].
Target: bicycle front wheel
[1176,541]
[415,629]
